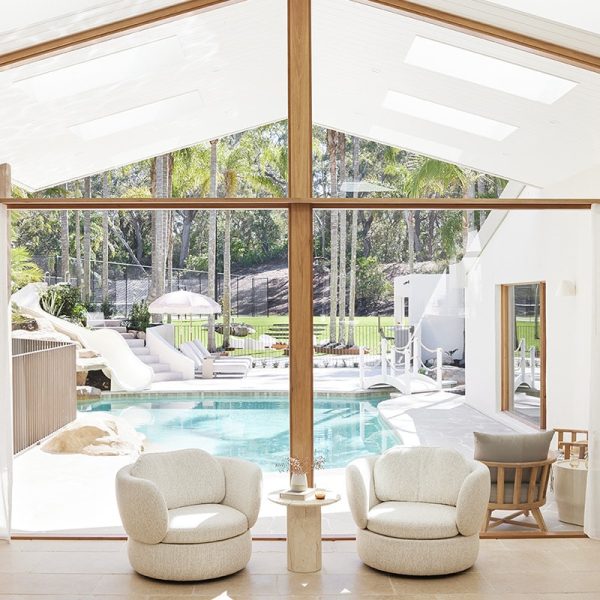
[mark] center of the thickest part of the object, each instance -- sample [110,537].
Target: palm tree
[212,244]
[353,243]
[87,218]
[334,242]
[105,234]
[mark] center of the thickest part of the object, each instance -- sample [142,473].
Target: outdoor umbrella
[184,303]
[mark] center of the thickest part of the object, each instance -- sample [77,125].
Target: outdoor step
[126,335]
[141,351]
[147,358]
[167,376]
[135,343]
[159,367]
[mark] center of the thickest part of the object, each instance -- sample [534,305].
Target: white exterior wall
[532,246]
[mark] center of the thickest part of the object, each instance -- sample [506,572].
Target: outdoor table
[304,531]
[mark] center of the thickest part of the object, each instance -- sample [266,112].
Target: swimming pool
[254,428]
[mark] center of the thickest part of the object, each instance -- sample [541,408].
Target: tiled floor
[507,569]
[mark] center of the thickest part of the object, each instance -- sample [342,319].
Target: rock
[96,434]
[88,392]
[87,353]
[50,336]
[454,374]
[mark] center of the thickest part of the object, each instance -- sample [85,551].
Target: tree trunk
[105,234]
[409,215]
[341,146]
[353,243]
[467,218]
[186,230]
[334,239]
[64,246]
[226,279]
[78,270]
[87,222]
[212,244]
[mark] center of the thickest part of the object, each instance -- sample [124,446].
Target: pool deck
[74,494]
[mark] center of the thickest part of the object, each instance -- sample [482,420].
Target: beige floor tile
[461,583]
[518,560]
[268,563]
[53,584]
[559,581]
[66,545]
[240,585]
[19,562]
[335,562]
[79,562]
[133,583]
[366,584]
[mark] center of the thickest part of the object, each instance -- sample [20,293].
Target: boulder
[454,374]
[96,434]
[85,393]
[42,334]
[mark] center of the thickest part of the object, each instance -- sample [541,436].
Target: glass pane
[418,93]
[183,380]
[525,318]
[167,90]
[407,332]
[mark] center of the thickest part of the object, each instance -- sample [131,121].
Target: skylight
[167,109]
[447,116]
[583,15]
[487,71]
[103,71]
[415,144]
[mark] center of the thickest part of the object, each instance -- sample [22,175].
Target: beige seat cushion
[204,523]
[509,489]
[184,477]
[413,520]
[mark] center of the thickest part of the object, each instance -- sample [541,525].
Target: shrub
[22,269]
[372,287]
[139,318]
[64,300]
[107,309]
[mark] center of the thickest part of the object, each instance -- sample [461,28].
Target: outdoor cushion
[184,477]
[509,489]
[413,520]
[420,474]
[512,448]
[204,523]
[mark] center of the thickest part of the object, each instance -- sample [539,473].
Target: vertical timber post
[6,419]
[300,253]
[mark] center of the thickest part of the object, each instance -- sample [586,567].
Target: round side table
[569,491]
[304,531]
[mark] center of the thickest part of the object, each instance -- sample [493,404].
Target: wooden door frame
[506,352]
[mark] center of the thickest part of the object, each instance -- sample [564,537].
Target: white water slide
[126,371]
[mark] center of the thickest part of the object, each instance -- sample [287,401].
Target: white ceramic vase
[298,482]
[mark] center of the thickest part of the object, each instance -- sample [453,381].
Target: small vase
[298,482]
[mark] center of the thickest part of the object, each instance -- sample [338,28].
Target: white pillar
[591,523]
[6,444]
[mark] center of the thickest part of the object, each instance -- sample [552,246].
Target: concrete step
[159,367]
[167,376]
[135,343]
[149,359]
[127,335]
[140,351]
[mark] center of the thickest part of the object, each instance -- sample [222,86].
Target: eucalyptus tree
[212,243]
[353,242]
[87,218]
[105,239]
[64,243]
[341,148]
[332,147]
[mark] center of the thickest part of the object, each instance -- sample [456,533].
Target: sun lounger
[219,366]
[206,354]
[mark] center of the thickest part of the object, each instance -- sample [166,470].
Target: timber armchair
[418,510]
[520,467]
[188,514]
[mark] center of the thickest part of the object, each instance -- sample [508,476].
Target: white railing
[410,363]
[525,365]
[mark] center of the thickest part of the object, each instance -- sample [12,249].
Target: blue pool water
[254,429]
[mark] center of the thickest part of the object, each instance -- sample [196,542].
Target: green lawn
[366,331]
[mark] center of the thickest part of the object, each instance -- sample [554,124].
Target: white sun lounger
[206,354]
[220,367]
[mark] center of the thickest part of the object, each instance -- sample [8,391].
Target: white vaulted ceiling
[377,74]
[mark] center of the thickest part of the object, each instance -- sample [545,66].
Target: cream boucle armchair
[188,514]
[418,510]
